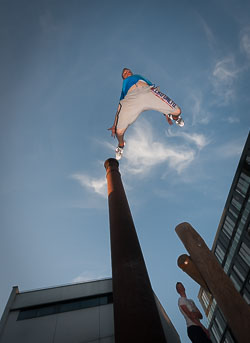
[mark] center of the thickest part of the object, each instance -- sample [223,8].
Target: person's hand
[112,129]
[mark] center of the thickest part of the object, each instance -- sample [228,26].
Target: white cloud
[93,184]
[245,41]
[145,151]
[225,70]
[223,76]
[197,138]
[195,104]
[208,32]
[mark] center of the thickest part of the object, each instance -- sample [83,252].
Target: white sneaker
[179,121]
[119,152]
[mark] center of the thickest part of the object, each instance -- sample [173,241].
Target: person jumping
[139,95]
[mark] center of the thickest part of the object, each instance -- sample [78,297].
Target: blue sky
[60,83]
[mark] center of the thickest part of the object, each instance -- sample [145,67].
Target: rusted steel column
[187,265]
[136,316]
[233,306]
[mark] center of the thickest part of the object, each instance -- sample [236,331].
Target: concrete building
[76,313]
[232,248]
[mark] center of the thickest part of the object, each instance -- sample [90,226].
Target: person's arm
[197,311]
[113,127]
[195,316]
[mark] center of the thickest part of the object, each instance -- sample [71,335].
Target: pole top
[111,162]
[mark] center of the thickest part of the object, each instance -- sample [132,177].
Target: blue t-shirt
[129,82]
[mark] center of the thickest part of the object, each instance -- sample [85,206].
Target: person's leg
[197,335]
[163,102]
[131,108]
[160,102]
[120,137]
[175,113]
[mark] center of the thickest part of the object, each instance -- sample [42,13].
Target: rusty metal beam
[230,301]
[136,316]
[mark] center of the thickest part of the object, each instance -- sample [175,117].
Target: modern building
[76,313]
[232,248]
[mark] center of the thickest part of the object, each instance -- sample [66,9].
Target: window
[236,202]
[219,253]
[211,311]
[243,184]
[46,310]
[228,226]
[245,216]
[247,285]
[228,338]
[246,296]
[66,306]
[233,211]
[248,159]
[237,283]
[216,333]
[241,273]
[244,253]
[220,322]
[206,299]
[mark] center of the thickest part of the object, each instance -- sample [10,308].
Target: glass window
[237,283]
[220,322]
[46,310]
[231,253]
[90,302]
[248,159]
[245,177]
[241,273]
[216,333]
[247,285]
[244,253]
[235,201]
[70,306]
[228,338]
[211,311]
[223,240]
[239,231]
[245,215]
[233,212]
[219,253]
[228,226]
[246,296]
[27,314]
[106,299]
[75,304]
[205,298]
[243,184]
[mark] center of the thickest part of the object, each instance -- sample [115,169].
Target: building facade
[232,247]
[76,313]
